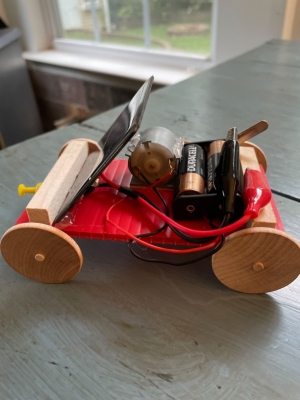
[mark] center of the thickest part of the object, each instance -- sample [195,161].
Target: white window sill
[132,63]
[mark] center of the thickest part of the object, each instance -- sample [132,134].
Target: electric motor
[154,155]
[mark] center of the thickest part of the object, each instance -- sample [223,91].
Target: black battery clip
[227,173]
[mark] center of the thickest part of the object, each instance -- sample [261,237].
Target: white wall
[242,25]
[27,15]
[3,15]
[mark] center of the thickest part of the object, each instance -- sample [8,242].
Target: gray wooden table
[124,329]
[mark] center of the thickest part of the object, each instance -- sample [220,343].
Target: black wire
[179,233]
[175,230]
[191,239]
[212,224]
[209,254]
[141,235]
[224,222]
[92,188]
[165,225]
[103,184]
[158,194]
[287,196]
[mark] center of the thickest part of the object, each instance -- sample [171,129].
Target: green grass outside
[195,43]
[89,36]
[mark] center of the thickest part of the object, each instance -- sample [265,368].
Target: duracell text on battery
[192,170]
[191,161]
[213,158]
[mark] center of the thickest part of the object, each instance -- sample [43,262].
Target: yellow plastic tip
[22,189]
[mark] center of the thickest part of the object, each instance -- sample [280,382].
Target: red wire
[214,243]
[161,180]
[192,232]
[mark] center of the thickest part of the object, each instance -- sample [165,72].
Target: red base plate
[87,218]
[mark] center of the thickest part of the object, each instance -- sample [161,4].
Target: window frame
[226,43]
[175,58]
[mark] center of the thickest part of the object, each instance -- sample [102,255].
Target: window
[166,25]
[170,39]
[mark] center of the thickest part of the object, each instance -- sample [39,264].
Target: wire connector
[228,171]
[257,193]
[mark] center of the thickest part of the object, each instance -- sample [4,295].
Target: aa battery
[213,158]
[192,170]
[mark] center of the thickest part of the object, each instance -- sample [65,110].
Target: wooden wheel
[257,260]
[41,252]
[261,157]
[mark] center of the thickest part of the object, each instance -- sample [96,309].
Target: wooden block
[47,201]
[92,145]
[248,158]
[90,164]
[266,216]
[260,155]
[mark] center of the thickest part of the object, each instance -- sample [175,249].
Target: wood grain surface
[257,260]
[41,252]
[47,201]
[126,329]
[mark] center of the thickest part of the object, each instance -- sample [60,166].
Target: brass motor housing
[153,156]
